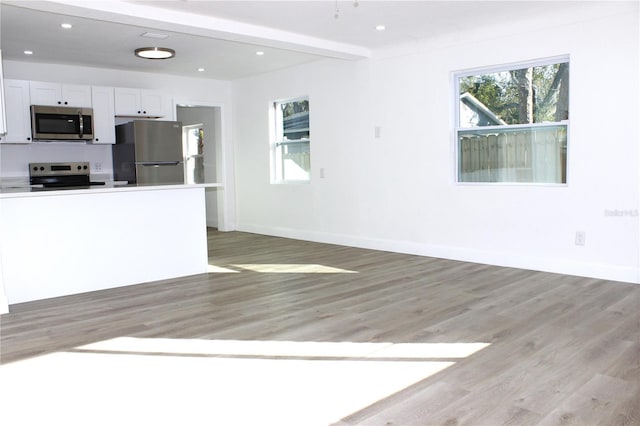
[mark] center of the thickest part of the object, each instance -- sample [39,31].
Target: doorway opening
[202,128]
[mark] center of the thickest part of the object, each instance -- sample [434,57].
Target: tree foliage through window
[290,108]
[528,95]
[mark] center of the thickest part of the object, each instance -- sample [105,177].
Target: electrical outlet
[97,167]
[580,238]
[322,173]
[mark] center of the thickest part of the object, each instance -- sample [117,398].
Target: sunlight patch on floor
[220,270]
[284,268]
[148,381]
[286,348]
[430,350]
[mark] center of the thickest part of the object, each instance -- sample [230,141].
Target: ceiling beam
[124,12]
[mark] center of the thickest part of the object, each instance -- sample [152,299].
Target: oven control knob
[35,169]
[84,167]
[79,167]
[41,169]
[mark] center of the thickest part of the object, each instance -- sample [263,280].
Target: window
[290,154]
[512,123]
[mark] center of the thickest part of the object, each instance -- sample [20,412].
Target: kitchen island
[61,242]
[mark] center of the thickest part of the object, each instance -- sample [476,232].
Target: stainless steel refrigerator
[149,152]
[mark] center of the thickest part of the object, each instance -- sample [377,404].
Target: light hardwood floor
[562,349]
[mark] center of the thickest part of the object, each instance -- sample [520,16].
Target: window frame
[456,76]
[275,142]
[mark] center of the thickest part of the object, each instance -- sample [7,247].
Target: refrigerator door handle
[157,163]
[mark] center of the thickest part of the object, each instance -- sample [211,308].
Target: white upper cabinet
[56,94]
[3,118]
[104,130]
[16,95]
[151,101]
[138,102]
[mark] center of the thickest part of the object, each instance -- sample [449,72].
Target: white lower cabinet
[114,218]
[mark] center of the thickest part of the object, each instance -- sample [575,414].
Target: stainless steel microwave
[61,123]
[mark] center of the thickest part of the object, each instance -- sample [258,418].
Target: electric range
[72,175]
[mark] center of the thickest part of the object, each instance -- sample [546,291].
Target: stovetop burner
[61,175]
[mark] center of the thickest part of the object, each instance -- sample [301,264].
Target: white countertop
[28,191]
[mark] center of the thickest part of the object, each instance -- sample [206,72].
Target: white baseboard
[629,274]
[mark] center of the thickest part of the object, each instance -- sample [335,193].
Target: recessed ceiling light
[155,53]
[200,69]
[260,53]
[380,27]
[28,52]
[66,26]
[154,35]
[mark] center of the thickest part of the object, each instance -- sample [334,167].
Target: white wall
[14,158]
[397,192]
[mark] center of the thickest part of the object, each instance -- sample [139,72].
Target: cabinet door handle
[81,120]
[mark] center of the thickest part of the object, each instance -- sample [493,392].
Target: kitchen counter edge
[27,192]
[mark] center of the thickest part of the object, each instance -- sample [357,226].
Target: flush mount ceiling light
[155,53]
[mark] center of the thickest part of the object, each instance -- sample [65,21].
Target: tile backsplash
[15,158]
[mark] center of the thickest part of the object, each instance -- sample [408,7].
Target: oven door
[61,123]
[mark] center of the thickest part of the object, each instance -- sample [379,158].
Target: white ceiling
[223,36]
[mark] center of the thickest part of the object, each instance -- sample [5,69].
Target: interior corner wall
[394,189]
